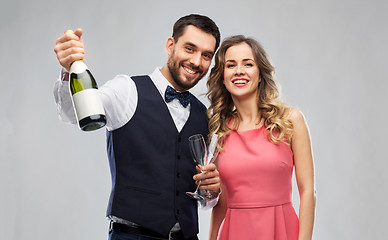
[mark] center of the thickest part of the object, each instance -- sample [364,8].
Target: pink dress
[257,175]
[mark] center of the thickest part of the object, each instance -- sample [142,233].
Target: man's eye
[207,56]
[189,49]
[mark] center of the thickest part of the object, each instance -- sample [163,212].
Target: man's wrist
[213,194]
[64,74]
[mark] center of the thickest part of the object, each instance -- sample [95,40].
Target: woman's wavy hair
[222,110]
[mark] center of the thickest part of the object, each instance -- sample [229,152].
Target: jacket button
[178,157]
[178,175]
[179,139]
[177,193]
[177,211]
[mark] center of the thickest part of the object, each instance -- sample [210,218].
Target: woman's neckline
[251,130]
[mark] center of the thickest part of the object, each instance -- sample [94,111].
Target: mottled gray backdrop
[331,60]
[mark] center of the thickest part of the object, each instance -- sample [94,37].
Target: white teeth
[240,82]
[189,70]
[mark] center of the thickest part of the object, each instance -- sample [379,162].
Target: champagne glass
[213,150]
[199,153]
[212,154]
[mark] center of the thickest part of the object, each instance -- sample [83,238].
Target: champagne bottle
[85,96]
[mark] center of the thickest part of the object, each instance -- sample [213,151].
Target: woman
[261,140]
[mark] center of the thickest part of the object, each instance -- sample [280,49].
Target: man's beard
[174,67]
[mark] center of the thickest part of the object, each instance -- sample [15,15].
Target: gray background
[331,62]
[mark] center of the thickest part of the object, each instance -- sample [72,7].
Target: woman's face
[241,73]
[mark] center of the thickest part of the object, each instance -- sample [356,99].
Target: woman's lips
[240,82]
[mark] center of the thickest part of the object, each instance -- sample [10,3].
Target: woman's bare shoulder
[295,115]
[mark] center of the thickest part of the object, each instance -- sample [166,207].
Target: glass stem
[199,183]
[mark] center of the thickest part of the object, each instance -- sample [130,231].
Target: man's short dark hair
[202,22]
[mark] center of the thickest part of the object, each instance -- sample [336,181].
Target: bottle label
[87,103]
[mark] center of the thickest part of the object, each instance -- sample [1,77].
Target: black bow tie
[183,97]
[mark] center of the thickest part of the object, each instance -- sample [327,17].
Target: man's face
[190,57]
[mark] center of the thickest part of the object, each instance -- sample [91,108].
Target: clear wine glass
[199,153]
[213,151]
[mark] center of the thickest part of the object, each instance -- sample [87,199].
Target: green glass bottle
[86,99]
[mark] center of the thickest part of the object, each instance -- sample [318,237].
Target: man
[147,134]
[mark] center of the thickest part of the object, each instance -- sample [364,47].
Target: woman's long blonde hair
[222,110]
